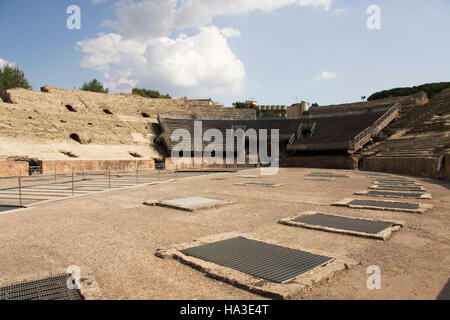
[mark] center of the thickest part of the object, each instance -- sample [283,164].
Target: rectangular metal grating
[259,259]
[330,175]
[397,182]
[385,204]
[399,188]
[8,208]
[318,178]
[260,184]
[394,194]
[47,289]
[344,223]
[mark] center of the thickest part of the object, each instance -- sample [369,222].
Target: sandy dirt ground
[115,236]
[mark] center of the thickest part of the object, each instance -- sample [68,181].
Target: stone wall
[171,165]
[413,100]
[13,168]
[109,126]
[445,171]
[418,166]
[327,162]
[49,166]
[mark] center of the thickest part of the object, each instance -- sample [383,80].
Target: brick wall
[421,167]
[329,162]
[170,165]
[13,168]
[49,166]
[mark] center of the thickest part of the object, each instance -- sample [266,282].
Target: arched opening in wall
[70,108]
[145,115]
[135,155]
[76,138]
[107,111]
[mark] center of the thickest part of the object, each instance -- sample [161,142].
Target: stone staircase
[419,131]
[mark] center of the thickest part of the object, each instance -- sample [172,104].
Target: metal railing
[24,189]
[368,133]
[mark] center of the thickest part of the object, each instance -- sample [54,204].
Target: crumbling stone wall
[106,126]
[49,166]
[445,171]
[329,162]
[417,166]
[13,168]
[409,101]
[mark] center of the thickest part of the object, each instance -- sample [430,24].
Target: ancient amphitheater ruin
[59,128]
[88,184]
[93,131]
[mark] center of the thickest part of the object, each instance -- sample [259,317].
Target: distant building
[297,110]
[201,102]
[266,110]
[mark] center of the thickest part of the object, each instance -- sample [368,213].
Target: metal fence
[23,190]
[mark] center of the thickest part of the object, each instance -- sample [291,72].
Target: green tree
[147,93]
[94,86]
[12,77]
[315,104]
[430,88]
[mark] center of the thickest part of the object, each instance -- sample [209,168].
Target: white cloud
[230,32]
[4,62]
[143,50]
[200,65]
[97,1]
[326,75]
[158,17]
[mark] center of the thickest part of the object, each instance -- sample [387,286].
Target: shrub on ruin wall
[94,86]
[12,77]
[147,93]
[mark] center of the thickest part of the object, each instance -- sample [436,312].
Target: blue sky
[272,51]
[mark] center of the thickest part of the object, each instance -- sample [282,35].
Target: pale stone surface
[38,124]
[192,203]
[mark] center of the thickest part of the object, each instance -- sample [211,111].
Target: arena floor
[114,236]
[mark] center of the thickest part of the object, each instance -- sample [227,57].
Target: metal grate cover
[8,208]
[47,289]
[399,188]
[394,194]
[315,178]
[385,204]
[261,184]
[259,259]
[330,175]
[378,175]
[400,182]
[344,223]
